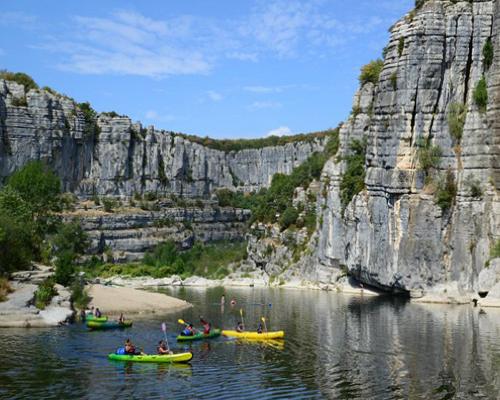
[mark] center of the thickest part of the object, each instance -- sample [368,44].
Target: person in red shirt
[206,326]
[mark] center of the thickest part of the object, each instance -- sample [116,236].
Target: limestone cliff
[393,234]
[119,158]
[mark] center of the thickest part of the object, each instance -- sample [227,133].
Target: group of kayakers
[189,330]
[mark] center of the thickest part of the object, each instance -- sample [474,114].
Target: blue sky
[222,68]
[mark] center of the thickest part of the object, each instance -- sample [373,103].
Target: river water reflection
[336,346]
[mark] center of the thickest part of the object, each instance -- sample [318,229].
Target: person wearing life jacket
[162,348]
[239,327]
[97,313]
[121,320]
[130,348]
[259,328]
[206,326]
[188,330]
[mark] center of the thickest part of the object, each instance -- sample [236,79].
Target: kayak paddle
[264,320]
[242,321]
[164,329]
[181,321]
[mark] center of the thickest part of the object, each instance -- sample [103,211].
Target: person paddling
[188,330]
[97,313]
[239,327]
[163,348]
[206,326]
[259,328]
[130,348]
[121,320]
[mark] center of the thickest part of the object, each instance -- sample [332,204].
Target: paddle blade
[241,312]
[181,321]
[263,319]
[164,327]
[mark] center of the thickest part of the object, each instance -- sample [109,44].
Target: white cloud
[259,105]
[264,89]
[154,115]
[130,43]
[214,96]
[281,131]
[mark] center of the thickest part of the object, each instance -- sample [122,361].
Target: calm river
[336,347]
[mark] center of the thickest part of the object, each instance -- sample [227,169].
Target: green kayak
[90,317]
[153,358]
[108,324]
[199,336]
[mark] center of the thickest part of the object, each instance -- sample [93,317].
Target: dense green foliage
[353,179]
[446,191]
[38,186]
[29,227]
[44,294]
[19,77]
[481,94]
[457,114]
[208,260]
[429,156]
[275,203]
[68,243]
[488,53]
[242,144]
[371,72]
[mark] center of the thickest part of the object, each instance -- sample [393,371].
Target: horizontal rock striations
[393,234]
[121,158]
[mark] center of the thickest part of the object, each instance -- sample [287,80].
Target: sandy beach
[113,300]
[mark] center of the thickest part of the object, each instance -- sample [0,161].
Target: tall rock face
[393,234]
[120,158]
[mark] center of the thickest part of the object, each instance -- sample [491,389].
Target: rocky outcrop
[125,235]
[393,234]
[120,158]
[18,311]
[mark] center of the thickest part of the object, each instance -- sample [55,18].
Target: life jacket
[121,351]
[187,332]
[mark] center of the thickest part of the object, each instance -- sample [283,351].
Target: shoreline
[114,300]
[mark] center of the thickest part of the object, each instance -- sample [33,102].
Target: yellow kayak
[255,335]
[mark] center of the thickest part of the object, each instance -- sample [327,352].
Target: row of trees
[31,228]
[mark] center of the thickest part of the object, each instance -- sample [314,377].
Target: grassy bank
[207,260]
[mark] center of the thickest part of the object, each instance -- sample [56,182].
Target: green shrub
[16,244]
[65,268]
[79,296]
[401,46]
[20,101]
[429,156]
[44,294]
[19,77]
[481,94]
[288,218]
[457,113]
[353,179]
[371,72]
[109,204]
[495,250]
[488,53]
[38,186]
[90,117]
[419,3]
[71,238]
[474,186]
[150,196]
[446,191]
